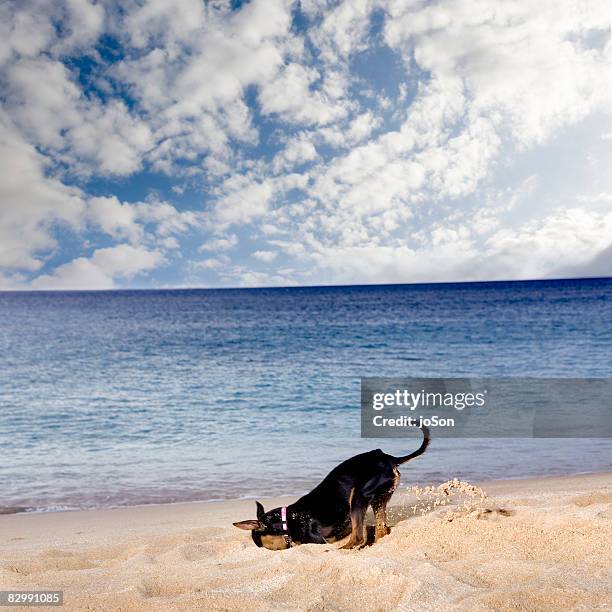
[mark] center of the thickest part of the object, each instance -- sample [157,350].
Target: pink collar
[285,526]
[284,518]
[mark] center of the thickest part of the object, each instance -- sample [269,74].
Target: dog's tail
[418,451]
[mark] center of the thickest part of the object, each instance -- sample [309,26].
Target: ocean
[137,397]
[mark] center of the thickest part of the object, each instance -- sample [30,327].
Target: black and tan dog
[337,506]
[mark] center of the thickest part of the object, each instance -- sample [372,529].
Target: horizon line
[319,286]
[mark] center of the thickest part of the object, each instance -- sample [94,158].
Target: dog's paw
[350,545]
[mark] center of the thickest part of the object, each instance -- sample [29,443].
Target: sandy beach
[529,545]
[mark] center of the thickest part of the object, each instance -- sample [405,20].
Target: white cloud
[115,219]
[83,22]
[211,263]
[245,198]
[32,202]
[359,129]
[265,256]
[224,243]
[188,86]
[167,219]
[243,277]
[521,63]
[298,151]
[101,270]
[13,282]
[569,240]
[290,95]
[53,113]
[344,27]
[29,27]
[192,82]
[158,19]
[132,221]
[595,197]
[23,32]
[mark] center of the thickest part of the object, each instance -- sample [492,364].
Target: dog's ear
[260,511]
[248,525]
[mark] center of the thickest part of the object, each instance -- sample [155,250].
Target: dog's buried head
[267,530]
[337,506]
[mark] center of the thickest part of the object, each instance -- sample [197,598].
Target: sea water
[135,397]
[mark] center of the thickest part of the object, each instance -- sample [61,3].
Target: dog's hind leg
[358,505]
[379,506]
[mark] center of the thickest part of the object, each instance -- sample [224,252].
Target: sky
[160,144]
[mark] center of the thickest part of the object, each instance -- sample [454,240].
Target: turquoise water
[130,397]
